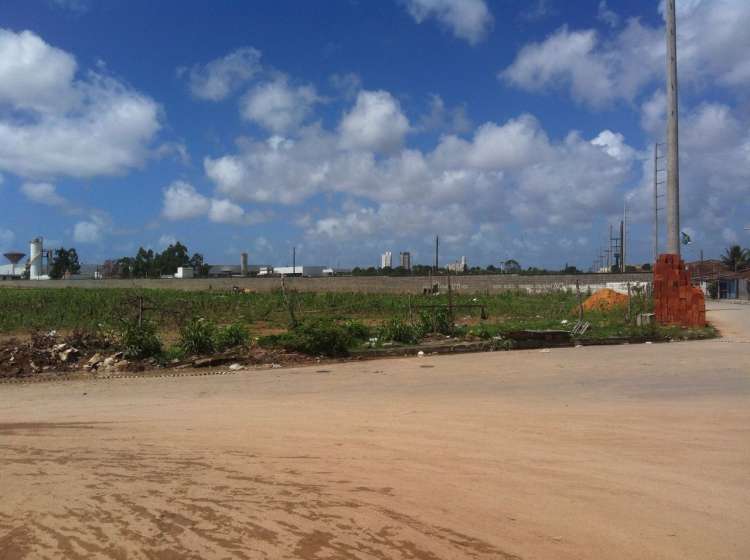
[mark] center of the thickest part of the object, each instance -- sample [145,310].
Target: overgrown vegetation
[327,323]
[197,337]
[399,330]
[70,308]
[200,336]
[230,336]
[140,341]
[319,337]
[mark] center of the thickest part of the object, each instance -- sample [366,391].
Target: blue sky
[513,129]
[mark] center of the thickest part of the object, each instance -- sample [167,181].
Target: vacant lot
[22,310]
[617,452]
[87,308]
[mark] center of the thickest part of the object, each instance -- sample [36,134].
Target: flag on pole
[685,238]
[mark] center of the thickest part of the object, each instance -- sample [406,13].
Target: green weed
[230,336]
[140,341]
[399,330]
[198,337]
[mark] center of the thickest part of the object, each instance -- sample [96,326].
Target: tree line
[149,264]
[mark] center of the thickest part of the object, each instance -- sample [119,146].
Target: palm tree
[736,257]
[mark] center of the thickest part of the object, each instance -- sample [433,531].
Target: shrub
[140,341]
[398,330]
[315,337]
[483,331]
[173,353]
[437,321]
[230,336]
[357,330]
[197,337]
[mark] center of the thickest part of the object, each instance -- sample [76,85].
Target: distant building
[405,258]
[718,281]
[229,270]
[460,265]
[386,260]
[86,272]
[223,270]
[336,271]
[184,272]
[11,271]
[299,270]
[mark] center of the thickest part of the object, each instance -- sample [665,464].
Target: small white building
[386,260]
[184,272]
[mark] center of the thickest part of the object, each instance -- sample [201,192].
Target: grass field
[24,310]
[74,308]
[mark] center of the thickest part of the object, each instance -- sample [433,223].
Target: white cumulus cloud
[598,70]
[224,211]
[33,74]
[508,172]
[182,201]
[278,106]
[595,73]
[88,232]
[43,193]
[470,20]
[221,77]
[374,123]
[73,127]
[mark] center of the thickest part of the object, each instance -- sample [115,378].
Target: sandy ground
[625,452]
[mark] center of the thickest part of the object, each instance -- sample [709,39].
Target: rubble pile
[47,352]
[110,364]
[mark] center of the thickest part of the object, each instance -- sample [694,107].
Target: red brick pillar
[676,302]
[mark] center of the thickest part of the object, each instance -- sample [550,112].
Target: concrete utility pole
[656,202]
[673,163]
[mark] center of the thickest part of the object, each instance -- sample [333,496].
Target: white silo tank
[35,258]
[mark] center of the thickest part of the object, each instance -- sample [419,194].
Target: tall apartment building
[405,259]
[386,260]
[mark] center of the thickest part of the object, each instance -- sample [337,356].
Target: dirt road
[590,453]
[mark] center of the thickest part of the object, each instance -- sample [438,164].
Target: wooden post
[289,303]
[450,298]
[630,311]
